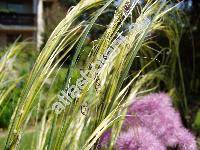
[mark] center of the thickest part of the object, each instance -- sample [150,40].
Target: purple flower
[138,139]
[152,124]
[156,113]
[186,140]
[104,140]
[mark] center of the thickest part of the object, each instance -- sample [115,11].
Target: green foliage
[14,72]
[197,122]
[26,142]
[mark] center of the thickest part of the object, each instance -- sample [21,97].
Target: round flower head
[152,124]
[138,139]
[156,113]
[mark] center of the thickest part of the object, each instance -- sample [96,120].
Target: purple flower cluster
[104,140]
[153,124]
[138,139]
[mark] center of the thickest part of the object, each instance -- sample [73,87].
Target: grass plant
[140,66]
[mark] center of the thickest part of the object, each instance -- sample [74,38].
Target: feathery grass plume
[9,75]
[67,123]
[114,73]
[7,72]
[116,116]
[45,65]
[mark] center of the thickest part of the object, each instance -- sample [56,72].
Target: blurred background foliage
[21,64]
